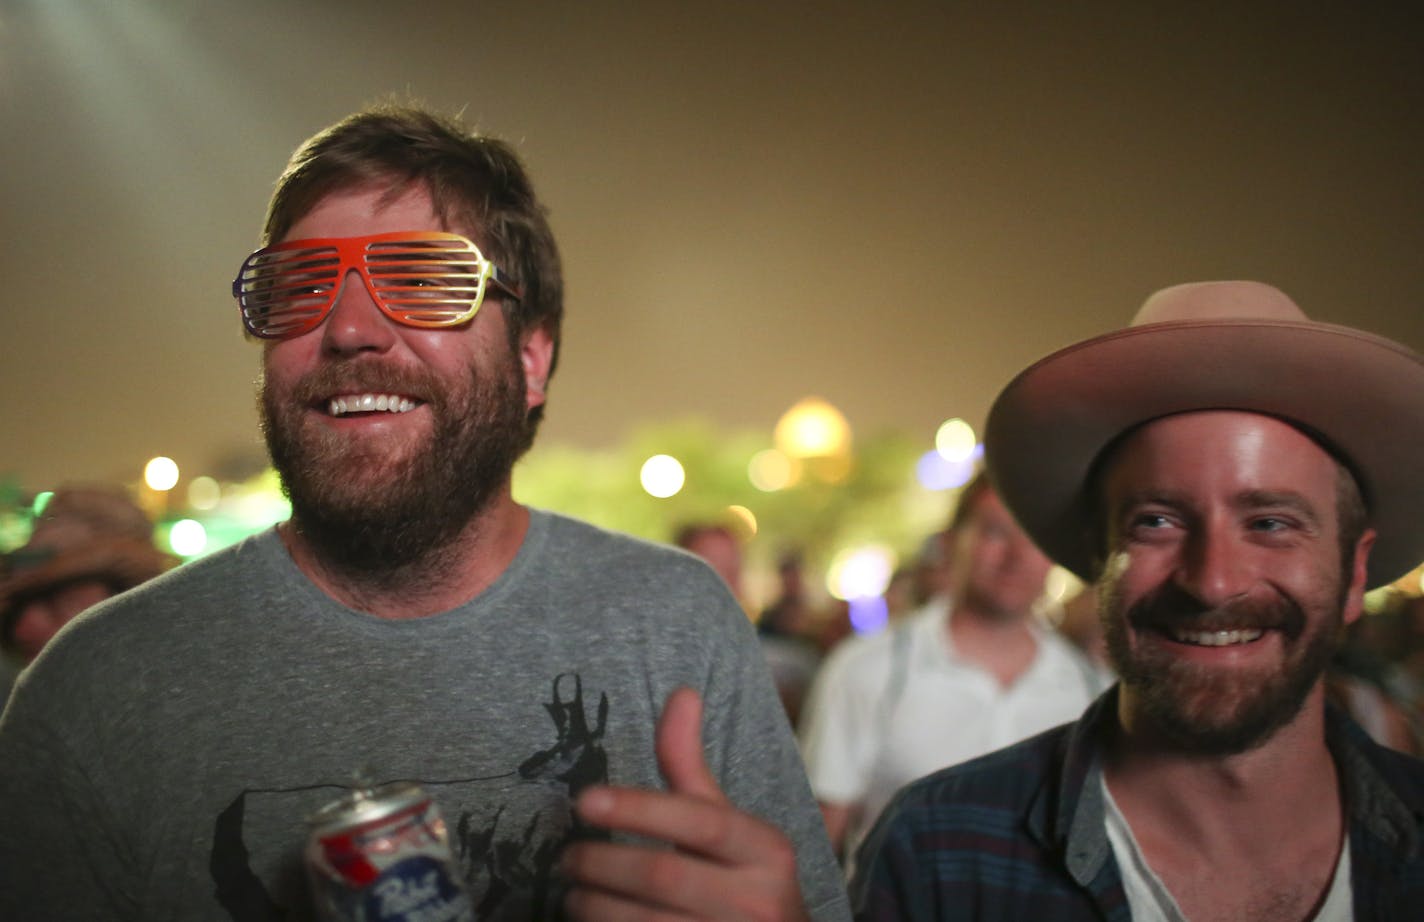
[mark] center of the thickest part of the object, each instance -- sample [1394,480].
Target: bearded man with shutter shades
[590,712]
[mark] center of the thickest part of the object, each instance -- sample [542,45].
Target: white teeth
[369,403]
[1215,638]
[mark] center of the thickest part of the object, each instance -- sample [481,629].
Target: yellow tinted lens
[435,281]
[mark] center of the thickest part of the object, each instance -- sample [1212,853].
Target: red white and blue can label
[383,855]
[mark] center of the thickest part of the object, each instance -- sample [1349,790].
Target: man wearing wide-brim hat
[1232,477]
[90,542]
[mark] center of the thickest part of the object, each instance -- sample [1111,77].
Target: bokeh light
[1061,585]
[204,493]
[771,470]
[936,472]
[812,428]
[745,516]
[187,538]
[662,476]
[955,440]
[868,615]
[161,474]
[860,572]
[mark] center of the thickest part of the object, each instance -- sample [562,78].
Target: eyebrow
[1259,499]
[1150,497]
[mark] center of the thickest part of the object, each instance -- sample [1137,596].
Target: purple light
[868,614]
[936,472]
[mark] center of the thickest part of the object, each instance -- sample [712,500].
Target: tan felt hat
[1214,345]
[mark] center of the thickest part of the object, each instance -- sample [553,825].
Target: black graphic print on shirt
[506,830]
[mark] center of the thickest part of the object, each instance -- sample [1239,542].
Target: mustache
[367,377]
[1170,607]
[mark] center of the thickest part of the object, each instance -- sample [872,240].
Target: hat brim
[122,562]
[1359,394]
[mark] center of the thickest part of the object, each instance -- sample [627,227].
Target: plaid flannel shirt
[1020,834]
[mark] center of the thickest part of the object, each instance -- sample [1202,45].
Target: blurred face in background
[996,570]
[39,618]
[720,549]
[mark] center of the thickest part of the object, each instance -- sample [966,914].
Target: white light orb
[861,572]
[955,440]
[187,537]
[161,474]
[662,476]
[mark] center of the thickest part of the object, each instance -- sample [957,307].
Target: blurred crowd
[92,541]
[963,700]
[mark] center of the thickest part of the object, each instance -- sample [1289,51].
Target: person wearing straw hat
[1232,477]
[90,542]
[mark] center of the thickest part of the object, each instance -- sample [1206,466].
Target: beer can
[383,855]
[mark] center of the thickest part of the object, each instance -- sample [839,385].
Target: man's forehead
[370,199]
[409,203]
[1208,431]
[1234,445]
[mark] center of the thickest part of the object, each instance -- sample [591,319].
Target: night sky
[893,206]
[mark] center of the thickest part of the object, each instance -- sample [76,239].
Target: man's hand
[722,863]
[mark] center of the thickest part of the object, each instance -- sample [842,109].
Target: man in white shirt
[968,673]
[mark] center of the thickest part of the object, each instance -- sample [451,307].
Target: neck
[1005,646]
[1207,800]
[449,576]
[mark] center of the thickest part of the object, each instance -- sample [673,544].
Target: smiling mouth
[1215,638]
[346,404]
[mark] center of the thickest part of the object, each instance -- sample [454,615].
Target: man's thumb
[679,746]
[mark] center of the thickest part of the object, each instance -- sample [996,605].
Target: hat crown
[80,515]
[1238,300]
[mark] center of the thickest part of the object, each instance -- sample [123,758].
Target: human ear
[536,355]
[1355,592]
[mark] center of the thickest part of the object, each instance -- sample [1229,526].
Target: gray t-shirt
[159,760]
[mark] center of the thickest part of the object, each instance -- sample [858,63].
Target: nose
[355,324]
[1213,569]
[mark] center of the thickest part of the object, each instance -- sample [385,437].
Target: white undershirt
[1150,901]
